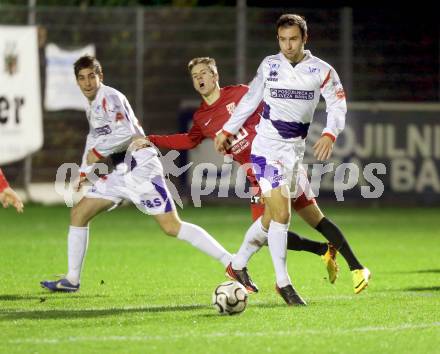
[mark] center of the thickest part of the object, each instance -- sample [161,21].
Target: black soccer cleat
[242,277]
[290,296]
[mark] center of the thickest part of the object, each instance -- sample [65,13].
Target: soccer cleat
[62,285]
[329,259]
[360,279]
[242,277]
[290,296]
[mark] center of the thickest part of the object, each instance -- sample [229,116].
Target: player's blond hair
[210,62]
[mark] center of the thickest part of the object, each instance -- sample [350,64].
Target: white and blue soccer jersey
[140,179]
[290,95]
[112,123]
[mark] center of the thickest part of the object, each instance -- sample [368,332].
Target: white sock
[77,242]
[255,238]
[277,240]
[200,239]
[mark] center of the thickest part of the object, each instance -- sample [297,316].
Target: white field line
[300,332]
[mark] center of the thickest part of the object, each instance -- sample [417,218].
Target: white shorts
[144,184]
[303,185]
[276,162]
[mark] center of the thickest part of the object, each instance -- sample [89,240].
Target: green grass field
[144,292]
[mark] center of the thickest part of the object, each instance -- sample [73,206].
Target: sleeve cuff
[227,133]
[84,170]
[3,185]
[331,136]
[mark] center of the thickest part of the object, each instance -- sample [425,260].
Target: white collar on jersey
[307,55]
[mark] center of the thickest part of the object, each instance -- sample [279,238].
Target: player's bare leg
[77,242]
[311,214]
[87,209]
[173,226]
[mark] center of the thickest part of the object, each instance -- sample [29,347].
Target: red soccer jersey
[3,182]
[208,120]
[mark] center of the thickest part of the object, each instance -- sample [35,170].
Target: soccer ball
[230,298]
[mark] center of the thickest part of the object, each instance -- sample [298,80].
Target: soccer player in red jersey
[214,111]
[8,195]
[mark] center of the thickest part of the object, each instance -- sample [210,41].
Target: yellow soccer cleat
[360,279]
[329,259]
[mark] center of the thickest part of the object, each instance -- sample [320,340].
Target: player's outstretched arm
[9,197]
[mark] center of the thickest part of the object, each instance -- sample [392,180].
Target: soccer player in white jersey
[289,84]
[138,176]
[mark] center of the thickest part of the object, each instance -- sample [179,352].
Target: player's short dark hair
[87,61]
[210,62]
[288,20]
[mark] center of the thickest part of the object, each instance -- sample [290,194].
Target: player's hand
[82,179]
[139,143]
[220,142]
[323,148]
[9,197]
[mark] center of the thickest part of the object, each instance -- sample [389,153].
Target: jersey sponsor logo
[105,130]
[240,146]
[292,94]
[235,139]
[152,203]
[230,107]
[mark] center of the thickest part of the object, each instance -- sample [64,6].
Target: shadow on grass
[254,306]
[273,305]
[420,271]
[81,314]
[428,271]
[43,296]
[425,288]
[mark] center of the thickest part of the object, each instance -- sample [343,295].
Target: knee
[281,216]
[171,228]
[78,217]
